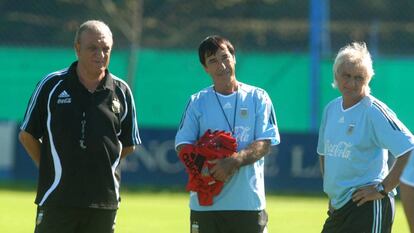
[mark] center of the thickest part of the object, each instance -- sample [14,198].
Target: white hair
[93,26]
[355,53]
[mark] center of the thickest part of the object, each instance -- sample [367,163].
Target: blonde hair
[355,53]
[93,26]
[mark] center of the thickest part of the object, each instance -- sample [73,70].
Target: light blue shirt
[408,174]
[355,144]
[255,120]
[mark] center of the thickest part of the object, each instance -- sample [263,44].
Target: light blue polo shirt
[252,118]
[355,144]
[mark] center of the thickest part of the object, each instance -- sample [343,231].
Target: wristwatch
[381,190]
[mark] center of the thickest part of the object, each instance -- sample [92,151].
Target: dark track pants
[74,220]
[228,221]
[372,217]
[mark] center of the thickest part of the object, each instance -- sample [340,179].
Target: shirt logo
[242,134]
[64,94]
[64,98]
[350,129]
[340,150]
[116,106]
[244,113]
[227,105]
[341,120]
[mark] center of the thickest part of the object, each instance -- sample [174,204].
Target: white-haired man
[356,133]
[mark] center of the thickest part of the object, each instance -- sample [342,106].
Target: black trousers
[371,217]
[228,221]
[74,220]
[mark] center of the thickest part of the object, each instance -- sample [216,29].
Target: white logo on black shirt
[64,98]
[64,94]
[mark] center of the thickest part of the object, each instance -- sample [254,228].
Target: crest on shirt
[116,106]
[350,129]
[244,113]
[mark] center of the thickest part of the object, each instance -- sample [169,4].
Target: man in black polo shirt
[79,123]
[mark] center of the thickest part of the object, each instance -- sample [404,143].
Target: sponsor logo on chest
[64,98]
[340,149]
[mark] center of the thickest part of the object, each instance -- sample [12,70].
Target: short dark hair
[211,44]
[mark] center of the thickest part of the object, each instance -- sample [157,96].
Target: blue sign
[293,165]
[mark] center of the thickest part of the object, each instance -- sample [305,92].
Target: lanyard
[224,113]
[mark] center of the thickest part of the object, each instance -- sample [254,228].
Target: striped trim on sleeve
[36,93]
[390,118]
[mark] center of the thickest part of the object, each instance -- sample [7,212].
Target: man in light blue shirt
[245,111]
[356,133]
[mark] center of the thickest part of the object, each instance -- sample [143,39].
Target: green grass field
[167,211]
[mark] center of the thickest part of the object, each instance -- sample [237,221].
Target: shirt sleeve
[266,124]
[189,128]
[320,149]
[129,126]
[389,132]
[35,116]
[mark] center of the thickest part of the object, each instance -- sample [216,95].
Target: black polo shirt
[82,137]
